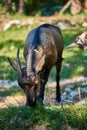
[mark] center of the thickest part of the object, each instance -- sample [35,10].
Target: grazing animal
[43,49]
[80,42]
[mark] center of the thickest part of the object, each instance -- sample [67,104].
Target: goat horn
[29,62]
[18,61]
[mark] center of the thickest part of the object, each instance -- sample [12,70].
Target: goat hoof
[58,100]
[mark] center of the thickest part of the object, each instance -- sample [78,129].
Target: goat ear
[40,64]
[13,64]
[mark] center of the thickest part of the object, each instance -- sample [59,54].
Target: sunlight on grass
[79,70]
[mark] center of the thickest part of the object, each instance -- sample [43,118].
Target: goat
[43,49]
[80,42]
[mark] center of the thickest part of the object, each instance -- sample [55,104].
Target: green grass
[10,41]
[25,118]
[10,91]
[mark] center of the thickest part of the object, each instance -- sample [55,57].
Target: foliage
[43,6]
[28,1]
[2,2]
[31,7]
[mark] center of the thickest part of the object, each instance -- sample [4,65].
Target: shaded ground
[70,93]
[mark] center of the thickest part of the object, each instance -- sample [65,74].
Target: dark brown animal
[43,49]
[80,42]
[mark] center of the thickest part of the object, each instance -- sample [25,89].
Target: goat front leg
[44,79]
[58,68]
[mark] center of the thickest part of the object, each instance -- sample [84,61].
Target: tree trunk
[65,6]
[21,7]
[76,7]
[8,6]
[85,5]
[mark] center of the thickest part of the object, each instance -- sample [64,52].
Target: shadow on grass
[11,42]
[6,71]
[75,65]
[10,91]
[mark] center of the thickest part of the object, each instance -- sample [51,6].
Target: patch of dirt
[50,93]
[49,99]
[3,19]
[9,101]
